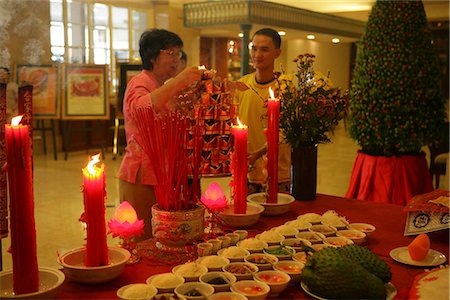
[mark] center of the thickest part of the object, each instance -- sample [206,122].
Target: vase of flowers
[310,108]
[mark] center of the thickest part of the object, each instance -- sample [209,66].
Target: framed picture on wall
[127,71]
[46,93]
[85,92]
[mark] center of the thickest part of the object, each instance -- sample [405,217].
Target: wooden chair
[438,155]
[119,132]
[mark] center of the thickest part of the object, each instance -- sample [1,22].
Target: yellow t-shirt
[252,113]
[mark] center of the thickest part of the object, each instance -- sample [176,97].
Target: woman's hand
[186,77]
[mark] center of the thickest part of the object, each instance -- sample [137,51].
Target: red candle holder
[126,225]
[215,201]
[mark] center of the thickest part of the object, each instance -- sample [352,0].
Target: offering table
[388,219]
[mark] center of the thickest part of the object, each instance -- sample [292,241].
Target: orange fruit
[418,248]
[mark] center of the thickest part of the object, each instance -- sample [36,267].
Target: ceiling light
[282,33]
[240,34]
[336,41]
[311,37]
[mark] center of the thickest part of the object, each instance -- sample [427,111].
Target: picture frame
[85,92]
[46,88]
[126,72]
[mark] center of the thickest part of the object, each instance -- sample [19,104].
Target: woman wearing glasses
[160,51]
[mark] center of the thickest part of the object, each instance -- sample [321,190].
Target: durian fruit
[331,275]
[368,260]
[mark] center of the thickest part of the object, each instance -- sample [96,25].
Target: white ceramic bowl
[276,280]
[338,225]
[165,282]
[290,267]
[312,218]
[319,247]
[253,245]
[75,268]
[248,219]
[337,241]
[190,271]
[262,260]
[213,262]
[282,206]
[296,243]
[184,289]
[252,289]
[234,253]
[281,252]
[368,229]
[286,230]
[271,237]
[223,280]
[301,257]
[313,237]
[358,237]
[49,282]
[227,296]
[242,270]
[166,296]
[326,230]
[299,224]
[243,234]
[137,291]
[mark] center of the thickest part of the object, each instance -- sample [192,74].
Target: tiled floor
[59,201]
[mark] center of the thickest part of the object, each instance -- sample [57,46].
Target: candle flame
[272,94]
[240,125]
[125,213]
[90,167]
[16,120]
[202,67]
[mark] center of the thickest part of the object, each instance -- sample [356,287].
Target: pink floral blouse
[137,95]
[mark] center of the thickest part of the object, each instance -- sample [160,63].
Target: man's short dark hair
[154,40]
[272,34]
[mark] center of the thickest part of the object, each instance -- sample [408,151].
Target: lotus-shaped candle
[214,198]
[125,223]
[215,201]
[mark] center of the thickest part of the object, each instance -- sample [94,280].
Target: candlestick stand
[130,245]
[213,224]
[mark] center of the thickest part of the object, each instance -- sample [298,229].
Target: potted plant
[396,105]
[310,108]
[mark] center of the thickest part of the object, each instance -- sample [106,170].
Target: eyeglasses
[172,53]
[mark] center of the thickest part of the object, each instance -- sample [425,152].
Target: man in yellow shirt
[252,111]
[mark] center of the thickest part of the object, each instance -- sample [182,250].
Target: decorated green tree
[396,104]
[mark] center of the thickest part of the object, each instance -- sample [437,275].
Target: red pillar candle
[23,230]
[273,112]
[240,167]
[94,213]
[25,106]
[3,182]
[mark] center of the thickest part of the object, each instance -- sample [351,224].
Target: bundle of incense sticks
[164,140]
[197,133]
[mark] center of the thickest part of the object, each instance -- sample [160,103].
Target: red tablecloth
[389,179]
[388,219]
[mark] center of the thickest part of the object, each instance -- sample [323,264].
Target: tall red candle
[23,230]
[94,213]
[273,112]
[3,182]
[240,168]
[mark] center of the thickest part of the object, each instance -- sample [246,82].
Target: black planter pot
[304,172]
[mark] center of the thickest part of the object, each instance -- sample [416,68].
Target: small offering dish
[49,282]
[272,209]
